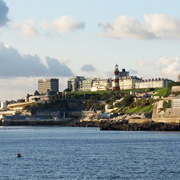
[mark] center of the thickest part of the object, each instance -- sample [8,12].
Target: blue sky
[141,36]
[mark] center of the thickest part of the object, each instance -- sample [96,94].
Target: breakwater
[37,122]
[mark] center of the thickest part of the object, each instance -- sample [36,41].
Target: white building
[128,82]
[152,83]
[132,82]
[74,83]
[102,85]
[86,84]
[81,83]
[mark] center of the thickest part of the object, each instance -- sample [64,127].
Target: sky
[65,38]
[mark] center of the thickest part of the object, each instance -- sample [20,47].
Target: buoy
[19,155]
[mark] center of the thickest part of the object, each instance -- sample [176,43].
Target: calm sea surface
[87,153]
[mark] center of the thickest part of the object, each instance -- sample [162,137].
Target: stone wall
[168,120]
[169,116]
[139,121]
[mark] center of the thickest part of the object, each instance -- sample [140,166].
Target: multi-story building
[102,85]
[133,82]
[121,81]
[128,82]
[86,84]
[80,83]
[45,85]
[152,83]
[74,83]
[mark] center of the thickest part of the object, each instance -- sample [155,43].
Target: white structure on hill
[74,83]
[126,82]
[133,82]
[80,83]
[102,85]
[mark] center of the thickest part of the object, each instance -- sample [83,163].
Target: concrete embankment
[60,122]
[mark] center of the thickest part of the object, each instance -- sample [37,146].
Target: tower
[116,79]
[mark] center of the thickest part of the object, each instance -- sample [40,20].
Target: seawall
[62,122]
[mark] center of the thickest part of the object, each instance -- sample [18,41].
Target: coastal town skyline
[65,38]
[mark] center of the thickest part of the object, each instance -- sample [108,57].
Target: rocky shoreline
[125,126]
[109,124]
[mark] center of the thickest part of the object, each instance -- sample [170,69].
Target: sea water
[87,153]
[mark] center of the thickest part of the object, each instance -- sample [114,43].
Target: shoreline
[125,126]
[104,125]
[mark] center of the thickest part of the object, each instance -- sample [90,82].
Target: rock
[148,126]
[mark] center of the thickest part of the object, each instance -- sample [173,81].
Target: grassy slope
[138,109]
[161,91]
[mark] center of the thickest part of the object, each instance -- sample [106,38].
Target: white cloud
[165,67]
[163,26]
[28,29]
[170,67]
[62,25]
[66,24]
[156,26]
[125,27]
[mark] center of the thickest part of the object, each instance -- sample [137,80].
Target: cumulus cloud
[125,27]
[156,26]
[170,67]
[163,26]
[13,64]
[63,25]
[3,13]
[28,29]
[88,68]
